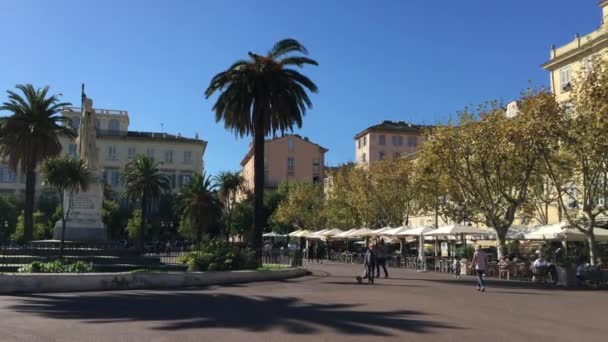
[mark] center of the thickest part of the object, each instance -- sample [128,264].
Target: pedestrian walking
[381,255]
[369,265]
[480,263]
[456,267]
[318,251]
[309,252]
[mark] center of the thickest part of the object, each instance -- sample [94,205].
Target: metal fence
[282,257]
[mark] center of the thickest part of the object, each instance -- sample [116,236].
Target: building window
[111,152]
[169,157]
[187,157]
[184,180]
[150,153]
[114,178]
[396,155]
[114,126]
[359,143]
[564,77]
[73,150]
[316,180]
[412,141]
[363,158]
[316,165]
[364,141]
[7,175]
[132,152]
[171,178]
[397,140]
[382,140]
[290,144]
[291,164]
[381,155]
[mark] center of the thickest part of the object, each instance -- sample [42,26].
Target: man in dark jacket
[381,256]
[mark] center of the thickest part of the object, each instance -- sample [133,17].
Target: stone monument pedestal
[84,221]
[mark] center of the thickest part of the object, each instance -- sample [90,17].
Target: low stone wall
[54,282]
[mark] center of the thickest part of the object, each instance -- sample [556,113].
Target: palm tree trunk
[142,224]
[258,183]
[30,195]
[592,249]
[63,222]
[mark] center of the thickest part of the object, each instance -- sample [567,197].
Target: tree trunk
[62,243]
[592,249]
[501,238]
[142,224]
[30,195]
[258,184]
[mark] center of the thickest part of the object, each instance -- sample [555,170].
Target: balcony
[101,111]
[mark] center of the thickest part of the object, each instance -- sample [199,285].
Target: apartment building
[388,140]
[290,158]
[575,59]
[181,157]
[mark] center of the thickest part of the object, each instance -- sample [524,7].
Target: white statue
[87,149]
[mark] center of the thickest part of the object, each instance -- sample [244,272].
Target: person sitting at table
[504,262]
[537,266]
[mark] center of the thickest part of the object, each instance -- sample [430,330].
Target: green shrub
[217,255]
[57,266]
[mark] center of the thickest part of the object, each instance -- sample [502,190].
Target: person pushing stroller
[369,265]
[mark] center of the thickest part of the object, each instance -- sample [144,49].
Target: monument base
[84,222]
[80,231]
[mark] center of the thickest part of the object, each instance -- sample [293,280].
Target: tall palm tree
[31,134]
[67,175]
[259,97]
[229,184]
[143,182]
[199,204]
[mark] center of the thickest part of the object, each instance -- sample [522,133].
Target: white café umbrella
[456,229]
[272,235]
[333,232]
[344,235]
[381,231]
[394,231]
[295,233]
[563,232]
[363,232]
[415,231]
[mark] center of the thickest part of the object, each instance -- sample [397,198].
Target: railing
[282,257]
[101,111]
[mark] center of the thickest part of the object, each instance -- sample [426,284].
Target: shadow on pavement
[377,283]
[198,310]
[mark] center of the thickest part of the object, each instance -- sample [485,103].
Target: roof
[395,126]
[151,136]
[250,152]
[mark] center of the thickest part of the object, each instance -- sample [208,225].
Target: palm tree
[259,97]
[31,134]
[143,182]
[229,184]
[67,175]
[199,204]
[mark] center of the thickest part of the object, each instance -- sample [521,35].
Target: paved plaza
[325,306]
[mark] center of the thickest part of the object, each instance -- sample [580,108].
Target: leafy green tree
[199,205]
[66,175]
[489,158]
[113,218]
[136,227]
[31,134]
[303,207]
[143,182]
[241,221]
[9,211]
[259,97]
[39,229]
[577,154]
[229,183]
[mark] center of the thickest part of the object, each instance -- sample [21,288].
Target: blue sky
[413,60]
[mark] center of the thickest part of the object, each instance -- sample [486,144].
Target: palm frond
[286,46]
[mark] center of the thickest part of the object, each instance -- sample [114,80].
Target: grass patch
[271,267]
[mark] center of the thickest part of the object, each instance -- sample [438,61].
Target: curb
[80,282]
